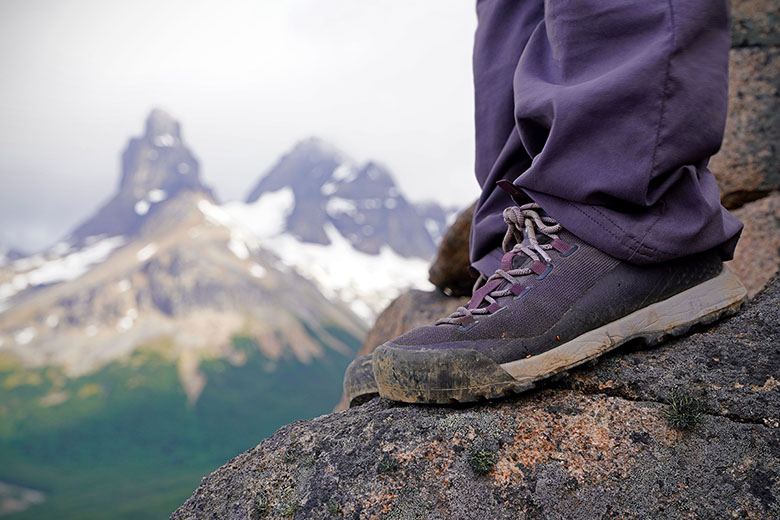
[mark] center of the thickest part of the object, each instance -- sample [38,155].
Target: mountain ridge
[362,201]
[163,258]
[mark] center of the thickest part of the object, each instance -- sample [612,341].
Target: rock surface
[755,22]
[748,164]
[449,271]
[758,253]
[594,444]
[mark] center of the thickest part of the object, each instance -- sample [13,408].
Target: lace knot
[522,222]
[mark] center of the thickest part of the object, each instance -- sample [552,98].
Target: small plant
[261,506]
[308,461]
[387,465]
[290,455]
[333,507]
[289,504]
[289,510]
[684,411]
[482,461]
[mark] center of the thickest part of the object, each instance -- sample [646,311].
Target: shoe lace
[520,220]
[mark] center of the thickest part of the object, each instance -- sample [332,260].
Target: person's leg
[503,29]
[618,105]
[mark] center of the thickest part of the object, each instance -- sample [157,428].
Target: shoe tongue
[512,261]
[521,259]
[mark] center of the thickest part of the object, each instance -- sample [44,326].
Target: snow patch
[337,206]
[141,207]
[329,188]
[123,285]
[157,196]
[127,321]
[264,217]
[124,323]
[164,140]
[90,330]
[52,320]
[366,283]
[391,203]
[258,271]
[344,172]
[7,290]
[61,269]
[214,213]
[24,336]
[30,262]
[433,228]
[238,246]
[146,252]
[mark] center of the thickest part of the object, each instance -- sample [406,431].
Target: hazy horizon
[389,81]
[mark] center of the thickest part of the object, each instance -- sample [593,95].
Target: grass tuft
[387,465]
[333,508]
[482,461]
[261,506]
[684,411]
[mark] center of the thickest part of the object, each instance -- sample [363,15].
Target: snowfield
[366,283]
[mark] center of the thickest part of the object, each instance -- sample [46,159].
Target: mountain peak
[155,167]
[318,146]
[361,201]
[162,128]
[159,160]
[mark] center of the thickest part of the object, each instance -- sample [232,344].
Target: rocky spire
[155,167]
[159,160]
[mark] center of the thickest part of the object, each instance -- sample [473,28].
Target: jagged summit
[159,123]
[155,166]
[362,202]
[159,160]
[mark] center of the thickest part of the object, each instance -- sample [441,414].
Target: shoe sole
[359,383]
[443,376]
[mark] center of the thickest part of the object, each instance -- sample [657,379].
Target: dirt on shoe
[555,303]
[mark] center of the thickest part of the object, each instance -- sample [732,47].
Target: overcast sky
[383,79]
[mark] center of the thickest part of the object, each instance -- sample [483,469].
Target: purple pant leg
[618,105]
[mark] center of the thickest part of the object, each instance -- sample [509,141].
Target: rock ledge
[596,443]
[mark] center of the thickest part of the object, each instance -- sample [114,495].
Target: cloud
[389,80]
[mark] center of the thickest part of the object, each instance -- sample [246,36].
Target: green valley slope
[122,443]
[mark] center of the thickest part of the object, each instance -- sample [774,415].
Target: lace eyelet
[525,291]
[569,252]
[469,326]
[537,266]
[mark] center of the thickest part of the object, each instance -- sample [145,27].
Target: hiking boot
[556,302]
[359,383]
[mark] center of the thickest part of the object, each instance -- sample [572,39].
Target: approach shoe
[554,303]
